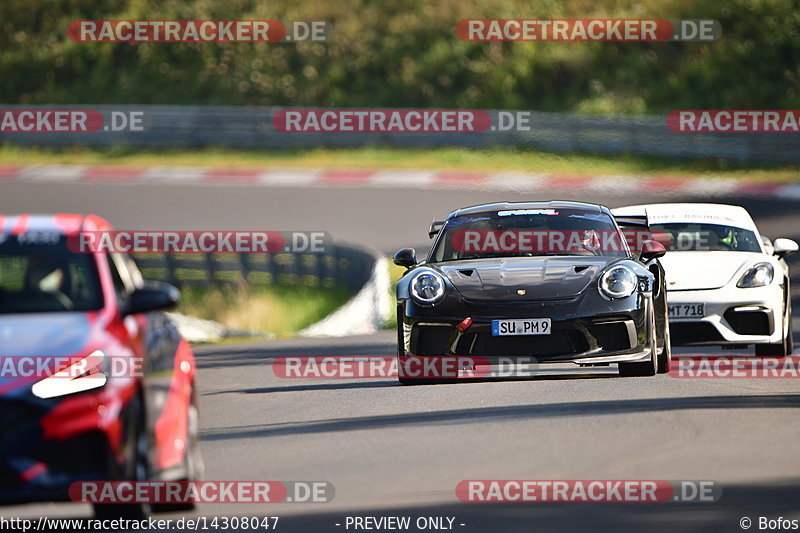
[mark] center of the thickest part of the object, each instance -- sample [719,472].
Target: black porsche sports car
[552,281]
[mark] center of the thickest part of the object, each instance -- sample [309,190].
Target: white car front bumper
[732,316]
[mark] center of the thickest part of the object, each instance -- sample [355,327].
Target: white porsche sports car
[726,284]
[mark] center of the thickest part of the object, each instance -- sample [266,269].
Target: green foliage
[277,309]
[404,53]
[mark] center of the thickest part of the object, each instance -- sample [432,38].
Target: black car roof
[503,206]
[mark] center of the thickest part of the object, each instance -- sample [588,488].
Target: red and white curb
[404,179]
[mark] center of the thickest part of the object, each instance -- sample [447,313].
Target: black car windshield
[41,274]
[528,233]
[694,237]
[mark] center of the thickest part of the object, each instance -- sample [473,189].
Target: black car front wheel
[649,367]
[786,346]
[665,356]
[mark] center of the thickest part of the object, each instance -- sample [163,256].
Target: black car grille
[611,336]
[748,322]
[431,339]
[562,342]
[21,436]
[87,452]
[19,424]
[435,339]
[693,333]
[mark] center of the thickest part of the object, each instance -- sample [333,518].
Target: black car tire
[665,357]
[406,380]
[411,381]
[645,368]
[786,346]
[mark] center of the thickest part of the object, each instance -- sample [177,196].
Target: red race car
[130,411]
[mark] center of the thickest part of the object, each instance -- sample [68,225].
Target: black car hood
[541,278]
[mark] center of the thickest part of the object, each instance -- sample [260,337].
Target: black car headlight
[427,287]
[618,282]
[760,275]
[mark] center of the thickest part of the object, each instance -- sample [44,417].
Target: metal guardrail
[339,266]
[252,127]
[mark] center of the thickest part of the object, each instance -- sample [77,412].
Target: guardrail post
[211,269]
[171,274]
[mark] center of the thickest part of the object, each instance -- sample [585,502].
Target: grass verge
[282,311]
[497,159]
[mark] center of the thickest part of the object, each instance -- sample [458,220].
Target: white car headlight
[427,287]
[618,282]
[760,275]
[83,375]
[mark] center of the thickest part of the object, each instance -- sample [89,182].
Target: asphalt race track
[400,451]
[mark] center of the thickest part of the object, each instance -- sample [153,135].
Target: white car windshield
[694,237]
[530,232]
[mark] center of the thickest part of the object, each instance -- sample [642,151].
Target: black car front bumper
[581,331]
[35,468]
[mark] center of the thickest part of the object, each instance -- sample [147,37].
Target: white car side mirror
[784,247]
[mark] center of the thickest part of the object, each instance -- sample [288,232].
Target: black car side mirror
[651,250]
[152,296]
[407,257]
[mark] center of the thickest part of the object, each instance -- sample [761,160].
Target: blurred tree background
[405,53]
